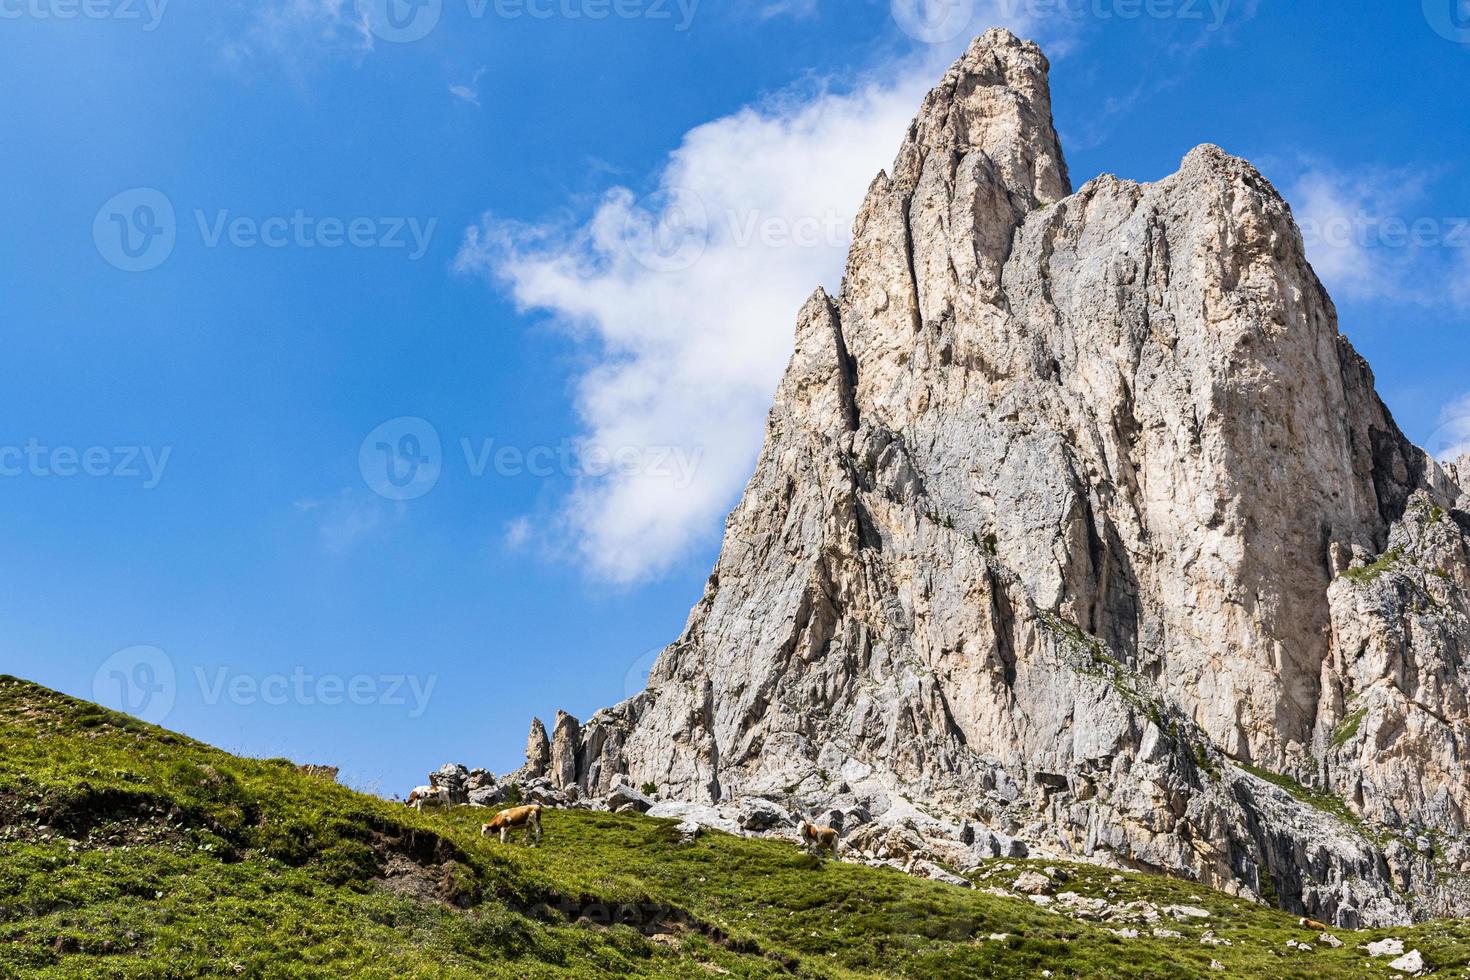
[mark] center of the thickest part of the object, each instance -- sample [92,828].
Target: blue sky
[529,230]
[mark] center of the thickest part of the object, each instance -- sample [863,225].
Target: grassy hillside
[128,851]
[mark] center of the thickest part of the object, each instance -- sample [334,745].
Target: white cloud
[796,9]
[1460,279]
[517,533]
[1339,215]
[343,520]
[689,297]
[1452,439]
[469,91]
[298,34]
[1375,234]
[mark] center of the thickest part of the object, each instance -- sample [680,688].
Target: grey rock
[538,750]
[1385,947]
[454,778]
[932,871]
[756,814]
[490,795]
[1032,883]
[622,796]
[700,813]
[1411,962]
[566,742]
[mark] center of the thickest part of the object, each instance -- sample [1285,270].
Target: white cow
[429,798]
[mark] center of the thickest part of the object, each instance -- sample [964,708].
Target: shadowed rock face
[1075,511]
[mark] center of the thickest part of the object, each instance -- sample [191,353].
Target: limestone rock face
[1078,519]
[566,740]
[538,750]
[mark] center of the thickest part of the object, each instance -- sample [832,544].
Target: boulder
[1411,963]
[932,871]
[491,795]
[1385,947]
[701,813]
[1032,883]
[623,797]
[760,815]
[454,778]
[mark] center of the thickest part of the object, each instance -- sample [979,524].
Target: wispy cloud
[344,519]
[1452,439]
[517,533]
[688,298]
[298,35]
[1374,234]
[795,9]
[469,91]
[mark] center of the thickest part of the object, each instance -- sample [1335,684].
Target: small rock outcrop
[566,742]
[538,750]
[455,779]
[622,798]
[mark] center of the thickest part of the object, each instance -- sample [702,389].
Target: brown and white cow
[520,816]
[429,798]
[817,838]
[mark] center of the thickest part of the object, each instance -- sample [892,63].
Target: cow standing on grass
[817,838]
[521,816]
[429,798]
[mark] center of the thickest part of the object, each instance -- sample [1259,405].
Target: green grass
[1325,802]
[1375,571]
[128,851]
[1348,727]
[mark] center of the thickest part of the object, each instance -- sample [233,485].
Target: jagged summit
[1076,516]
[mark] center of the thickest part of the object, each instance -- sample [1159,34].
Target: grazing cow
[818,838]
[520,816]
[429,798]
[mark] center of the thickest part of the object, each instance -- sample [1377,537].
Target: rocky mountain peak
[1080,521]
